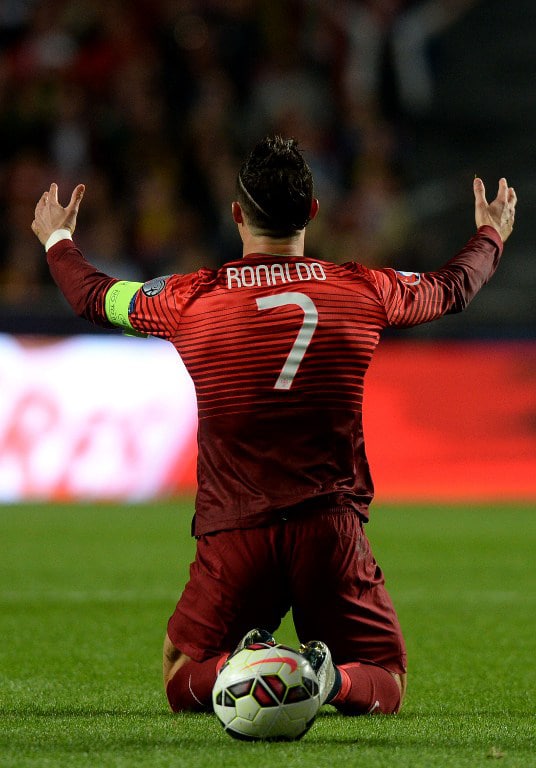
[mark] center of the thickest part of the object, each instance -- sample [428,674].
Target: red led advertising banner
[115,418]
[452,421]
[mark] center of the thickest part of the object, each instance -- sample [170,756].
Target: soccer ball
[267,692]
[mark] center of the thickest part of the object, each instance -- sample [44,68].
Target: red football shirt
[278,348]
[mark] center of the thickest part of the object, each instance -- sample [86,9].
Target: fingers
[42,201]
[502,192]
[76,198]
[508,198]
[505,194]
[71,211]
[50,198]
[480,192]
[53,193]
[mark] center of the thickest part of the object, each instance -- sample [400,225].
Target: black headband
[251,200]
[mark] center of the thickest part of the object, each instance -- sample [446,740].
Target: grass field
[85,593]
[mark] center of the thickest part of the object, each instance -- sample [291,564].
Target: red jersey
[278,348]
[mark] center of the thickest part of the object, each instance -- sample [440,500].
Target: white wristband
[56,236]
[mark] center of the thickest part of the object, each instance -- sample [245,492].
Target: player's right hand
[500,213]
[50,215]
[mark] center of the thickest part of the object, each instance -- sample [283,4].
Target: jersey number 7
[305,334]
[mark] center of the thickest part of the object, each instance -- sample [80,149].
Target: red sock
[190,688]
[366,689]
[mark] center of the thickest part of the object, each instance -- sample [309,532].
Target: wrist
[492,234]
[56,236]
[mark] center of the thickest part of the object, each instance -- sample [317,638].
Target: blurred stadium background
[153,104]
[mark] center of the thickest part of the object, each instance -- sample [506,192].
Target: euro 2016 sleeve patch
[155,286]
[410,278]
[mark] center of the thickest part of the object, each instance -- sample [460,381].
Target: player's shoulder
[354,270]
[375,274]
[178,282]
[380,281]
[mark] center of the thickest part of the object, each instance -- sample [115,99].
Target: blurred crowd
[153,104]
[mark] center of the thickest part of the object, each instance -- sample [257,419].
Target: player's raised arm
[83,286]
[411,299]
[100,298]
[500,213]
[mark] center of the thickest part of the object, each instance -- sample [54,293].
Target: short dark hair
[275,187]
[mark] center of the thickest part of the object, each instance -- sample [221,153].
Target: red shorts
[319,565]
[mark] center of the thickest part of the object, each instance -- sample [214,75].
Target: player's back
[277,348]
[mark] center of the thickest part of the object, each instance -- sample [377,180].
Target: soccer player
[278,345]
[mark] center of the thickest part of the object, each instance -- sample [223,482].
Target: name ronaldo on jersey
[262,275]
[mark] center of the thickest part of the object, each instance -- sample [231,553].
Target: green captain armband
[117,302]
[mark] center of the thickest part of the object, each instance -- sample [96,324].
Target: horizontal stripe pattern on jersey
[278,349]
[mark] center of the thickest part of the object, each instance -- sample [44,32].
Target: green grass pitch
[86,591]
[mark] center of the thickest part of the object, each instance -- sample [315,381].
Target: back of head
[275,188]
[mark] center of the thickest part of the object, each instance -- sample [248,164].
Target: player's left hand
[50,215]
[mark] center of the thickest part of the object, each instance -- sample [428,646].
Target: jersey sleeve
[83,286]
[156,307]
[147,309]
[412,298]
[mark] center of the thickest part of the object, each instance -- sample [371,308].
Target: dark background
[153,105]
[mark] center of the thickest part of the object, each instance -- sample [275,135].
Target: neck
[291,246]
